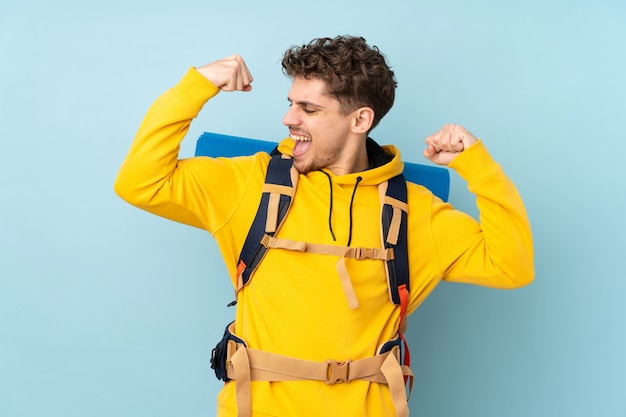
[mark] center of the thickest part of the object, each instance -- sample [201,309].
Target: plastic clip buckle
[338,371]
[364,253]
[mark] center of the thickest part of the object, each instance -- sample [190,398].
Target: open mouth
[302,144]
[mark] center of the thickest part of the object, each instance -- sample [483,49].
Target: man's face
[318,126]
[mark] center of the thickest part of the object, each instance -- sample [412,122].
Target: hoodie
[295,305]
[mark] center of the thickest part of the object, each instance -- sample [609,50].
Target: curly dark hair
[356,74]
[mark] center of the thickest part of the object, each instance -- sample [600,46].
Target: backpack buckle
[337,371]
[364,253]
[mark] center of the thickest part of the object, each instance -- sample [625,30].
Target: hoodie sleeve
[154,179]
[497,251]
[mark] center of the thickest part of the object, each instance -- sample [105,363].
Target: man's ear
[363,119]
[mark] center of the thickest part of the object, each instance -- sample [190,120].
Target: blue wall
[109,311]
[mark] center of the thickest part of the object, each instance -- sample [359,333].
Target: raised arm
[152,177]
[497,251]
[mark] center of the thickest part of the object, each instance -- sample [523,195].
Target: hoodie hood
[385,163]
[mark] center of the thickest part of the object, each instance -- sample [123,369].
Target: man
[312,308]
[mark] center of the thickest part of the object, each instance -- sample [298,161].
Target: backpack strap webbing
[278,191]
[394,233]
[244,365]
[279,188]
[280,184]
[395,209]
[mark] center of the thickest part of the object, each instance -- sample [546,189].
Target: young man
[313,318]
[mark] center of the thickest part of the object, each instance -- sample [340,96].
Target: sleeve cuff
[194,89]
[474,163]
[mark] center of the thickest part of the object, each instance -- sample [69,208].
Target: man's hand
[228,74]
[445,145]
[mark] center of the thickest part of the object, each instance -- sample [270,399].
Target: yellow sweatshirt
[295,305]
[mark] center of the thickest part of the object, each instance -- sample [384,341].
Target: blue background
[108,311]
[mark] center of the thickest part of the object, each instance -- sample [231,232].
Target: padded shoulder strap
[279,188]
[395,211]
[278,191]
[394,226]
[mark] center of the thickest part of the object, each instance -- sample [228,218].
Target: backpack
[278,191]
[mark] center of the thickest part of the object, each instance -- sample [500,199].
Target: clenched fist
[228,74]
[445,145]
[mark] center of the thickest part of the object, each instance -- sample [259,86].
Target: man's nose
[291,117]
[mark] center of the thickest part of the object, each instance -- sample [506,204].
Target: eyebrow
[305,103]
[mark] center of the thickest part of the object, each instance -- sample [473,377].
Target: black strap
[278,172]
[398,267]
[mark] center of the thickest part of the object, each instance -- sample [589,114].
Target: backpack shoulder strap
[280,184]
[394,227]
[278,191]
[395,210]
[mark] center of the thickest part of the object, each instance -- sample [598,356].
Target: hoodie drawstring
[356,184]
[330,210]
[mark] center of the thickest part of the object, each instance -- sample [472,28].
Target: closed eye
[307,107]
